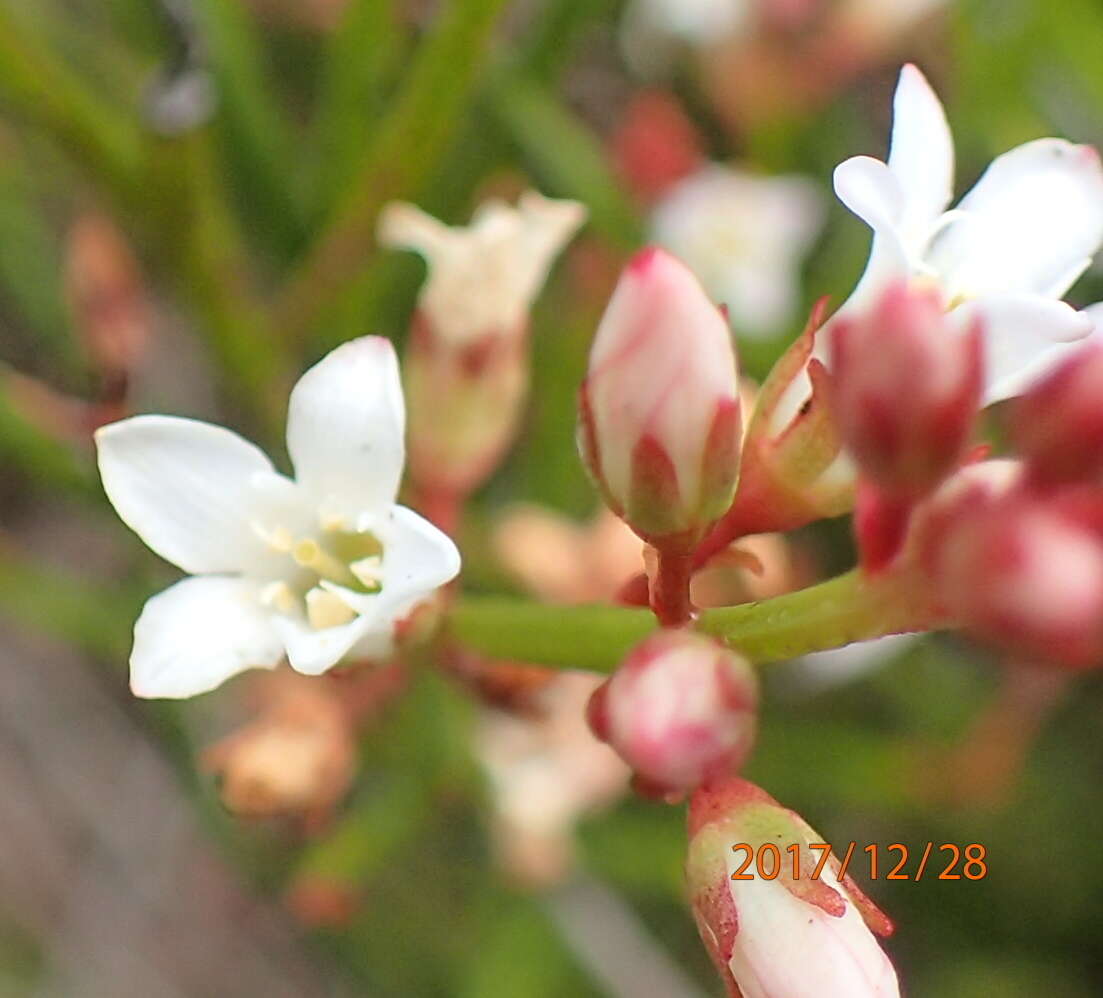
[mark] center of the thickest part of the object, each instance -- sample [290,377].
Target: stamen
[369,571]
[309,554]
[278,539]
[279,596]
[324,609]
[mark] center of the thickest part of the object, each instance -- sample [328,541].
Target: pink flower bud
[1058,424]
[788,934]
[681,711]
[906,389]
[1021,575]
[660,420]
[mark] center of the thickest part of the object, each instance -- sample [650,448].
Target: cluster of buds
[1012,550]
[468,351]
[805,931]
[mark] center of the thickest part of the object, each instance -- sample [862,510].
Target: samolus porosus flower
[319,567]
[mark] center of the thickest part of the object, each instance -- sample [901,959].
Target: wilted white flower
[318,567]
[483,277]
[744,237]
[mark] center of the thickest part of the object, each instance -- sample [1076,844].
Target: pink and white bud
[1058,425]
[681,711]
[788,934]
[1021,575]
[467,365]
[659,409]
[906,389]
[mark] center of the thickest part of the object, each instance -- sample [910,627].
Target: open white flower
[744,237]
[483,277]
[1012,247]
[319,567]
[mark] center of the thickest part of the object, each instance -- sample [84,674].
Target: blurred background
[188,197]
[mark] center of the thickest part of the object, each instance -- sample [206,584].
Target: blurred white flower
[545,772]
[744,237]
[483,277]
[1013,246]
[651,30]
[319,567]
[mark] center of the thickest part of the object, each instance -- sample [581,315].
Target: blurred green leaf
[566,157]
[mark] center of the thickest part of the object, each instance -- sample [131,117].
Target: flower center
[321,569]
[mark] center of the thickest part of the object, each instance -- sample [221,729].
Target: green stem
[829,615]
[207,253]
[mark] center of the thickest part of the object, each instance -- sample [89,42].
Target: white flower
[483,277]
[319,567]
[744,237]
[1013,246]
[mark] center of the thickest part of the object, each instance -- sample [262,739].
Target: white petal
[871,190]
[1024,337]
[417,558]
[345,426]
[197,634]
[313,652]
[186,488]
[922,153]
[1029,225]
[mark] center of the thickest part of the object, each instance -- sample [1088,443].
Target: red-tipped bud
[784,924]
[906,390]
[1058,424]
[1026,578]
[681,711]
[660,420]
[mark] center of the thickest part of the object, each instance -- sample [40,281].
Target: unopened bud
[1058,424]
[1024,577]
[906,388]
[790,927]
[659,409]
[681,711]
[466,368]
[297,759]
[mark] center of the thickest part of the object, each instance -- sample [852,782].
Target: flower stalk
[848,608]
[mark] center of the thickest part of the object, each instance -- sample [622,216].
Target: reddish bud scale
[681,711]
[906,389]
[1058,425]
[481,384]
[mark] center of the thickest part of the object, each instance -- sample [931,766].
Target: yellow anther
[324,609]
[369,571]
[279,596]
[308,553]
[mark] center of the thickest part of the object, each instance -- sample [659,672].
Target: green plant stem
[829,615]
[207,254]
[404,150]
